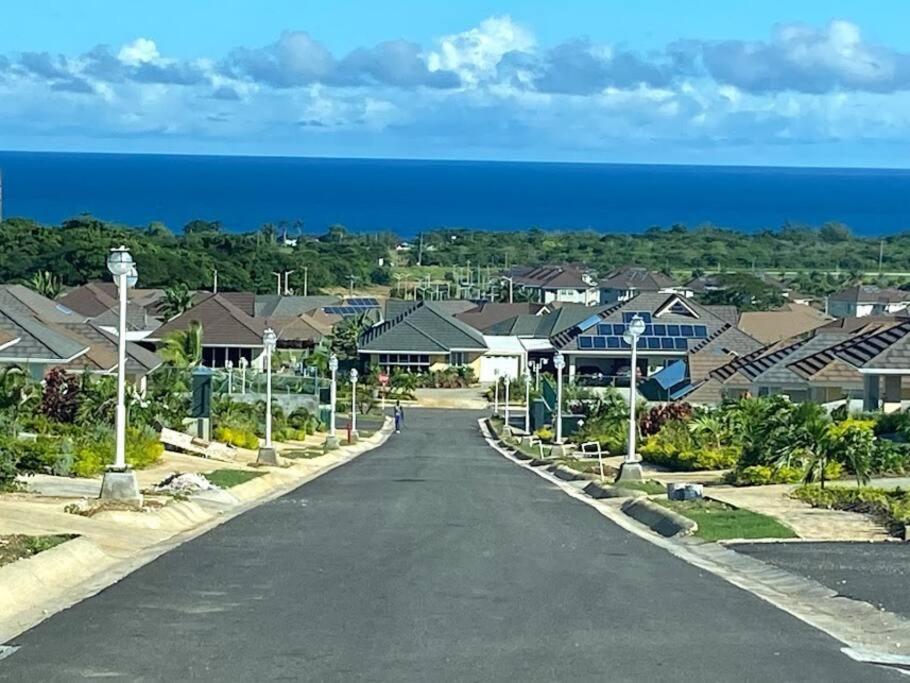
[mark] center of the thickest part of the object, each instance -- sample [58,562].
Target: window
[408,362]
[457,358]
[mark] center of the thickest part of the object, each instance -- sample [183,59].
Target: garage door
[507,365]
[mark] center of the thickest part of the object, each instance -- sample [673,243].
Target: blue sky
[659,81]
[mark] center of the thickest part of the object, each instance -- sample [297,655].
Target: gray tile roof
[275,306]
[634,277]
[888,349]
[870,294]
[550,277]
[421,328]
[37,340]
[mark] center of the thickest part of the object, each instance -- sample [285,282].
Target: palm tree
[710,426]
[183,348]
[177,299]
[46,284]
[346,334]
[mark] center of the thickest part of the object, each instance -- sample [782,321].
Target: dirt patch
[18,546]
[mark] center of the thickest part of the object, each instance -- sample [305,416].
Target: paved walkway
[432,558]
[806,521]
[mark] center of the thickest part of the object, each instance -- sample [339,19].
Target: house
[863,300]
[676,329]
[421,337]
[624,283]
[286,307]
[38,334]
[230,329]
[831,364]
[548,284]
[793,320]
[99,301]
[716,282]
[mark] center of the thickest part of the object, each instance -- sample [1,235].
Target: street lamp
[559,362]
[267,454]
[331,441]
[506,380]
[354,434]
[527,403]
[496,392]
[119,481]
[631,466]
[229,366]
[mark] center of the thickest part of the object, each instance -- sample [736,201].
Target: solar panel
[681,344]
[600,342]
[672,330]
[686,331]
[659,330]
[701,332]
[666,343]
[605,329]
[586,342]
[644,315]
[653,342]
[619,330]
[613,342]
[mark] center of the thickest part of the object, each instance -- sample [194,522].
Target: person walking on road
[399,417]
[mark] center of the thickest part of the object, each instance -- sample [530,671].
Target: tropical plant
[177,300]
[60,400]
[346,333]
[46,284]
[183,348]
[19,394]
[655,418]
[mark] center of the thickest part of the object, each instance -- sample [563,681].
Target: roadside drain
[7,650]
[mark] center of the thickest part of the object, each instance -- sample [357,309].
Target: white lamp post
[331,441]
[506,380]
[354,376]
[119,481]
[229,366]
[527,403]
[496,392]
[267,454]
[559,362]
[631,466]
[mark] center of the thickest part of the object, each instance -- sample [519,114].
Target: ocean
[409,196]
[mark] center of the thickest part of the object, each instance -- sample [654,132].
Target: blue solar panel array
[656,337]
[353,307]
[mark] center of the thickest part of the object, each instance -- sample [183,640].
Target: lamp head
[269,339]
[333,363]
[133,277]
[559,361]
[119,261]
[229,365]
[354,375]
[636,326]
[243,362]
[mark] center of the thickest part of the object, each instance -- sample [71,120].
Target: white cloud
[140,51]
[475,54]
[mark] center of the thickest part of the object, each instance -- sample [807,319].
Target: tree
[177,300]
[346,334]
[46,284]
[183,348]
[60,401]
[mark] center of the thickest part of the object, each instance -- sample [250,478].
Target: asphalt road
[430,559]
[879,575]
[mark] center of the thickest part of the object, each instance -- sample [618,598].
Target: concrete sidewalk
[113,543]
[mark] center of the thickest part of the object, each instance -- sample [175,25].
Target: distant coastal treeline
[75,252]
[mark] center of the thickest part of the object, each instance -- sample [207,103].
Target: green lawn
[650,486]
[717,521]
[303,453]
[17,546]
[227,478]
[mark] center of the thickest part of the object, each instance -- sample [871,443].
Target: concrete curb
[599,490]
[658,518]
[568,474]
[35,588]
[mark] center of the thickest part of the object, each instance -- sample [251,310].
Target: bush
[545,434]
[891,507]
[236,436]
[8,469]
[654,420]
[889,458]
[762,475]
[95,452]
[60,401]
[45,454]
[893,423]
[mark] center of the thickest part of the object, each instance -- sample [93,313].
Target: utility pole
[287,273]
[420,250]
[351,279]
[278,275]
[306,277]
[215,281]
[881,255]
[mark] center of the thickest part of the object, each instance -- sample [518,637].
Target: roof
[870,294]
[503,346]
[791,321]
[634,277]
[303,329]
[277,306]
[423,327]
[95,298]
[545,325]
[223,323]
[455,306]
[726,312]
[550,277]
[37,340]
[888,349]
[102,353]
[484,316]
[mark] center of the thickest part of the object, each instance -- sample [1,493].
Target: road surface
[432,558]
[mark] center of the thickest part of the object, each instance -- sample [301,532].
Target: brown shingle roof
[791,321]
[223,323]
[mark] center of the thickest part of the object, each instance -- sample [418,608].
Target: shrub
[60,401]
[46,454]
[653,420]
[241,438]
[761,475]
[95,452]
[545,434]
[7,467]
[893,423]
[891,507]
[888,457]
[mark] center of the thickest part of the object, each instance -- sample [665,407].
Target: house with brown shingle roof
[547,284]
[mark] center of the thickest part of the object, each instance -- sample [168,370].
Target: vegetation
[16,546]
[717,522]
[227,478]
[891,507]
